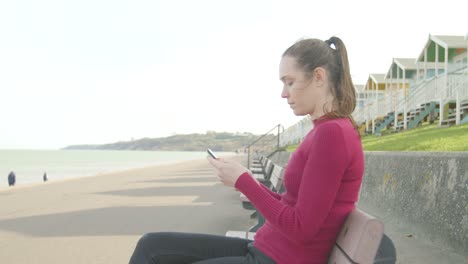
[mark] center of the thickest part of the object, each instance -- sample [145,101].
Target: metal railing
[265,144]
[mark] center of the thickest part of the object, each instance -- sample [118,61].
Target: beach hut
[401,75]
[447,81]
[375,87]
[361,95]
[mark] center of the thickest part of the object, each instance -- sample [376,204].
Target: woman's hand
[228,171]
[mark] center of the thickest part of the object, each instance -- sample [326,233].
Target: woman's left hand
[228,171]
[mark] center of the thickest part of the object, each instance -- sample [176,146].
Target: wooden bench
[258,164]
[358,240]
[361,240]
[264,174]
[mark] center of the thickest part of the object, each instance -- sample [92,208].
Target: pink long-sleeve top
[322,182]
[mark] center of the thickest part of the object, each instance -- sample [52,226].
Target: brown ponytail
[313,53]
[345,94]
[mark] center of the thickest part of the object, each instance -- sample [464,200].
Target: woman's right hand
[228,171]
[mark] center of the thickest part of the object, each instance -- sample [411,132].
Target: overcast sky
[78,72]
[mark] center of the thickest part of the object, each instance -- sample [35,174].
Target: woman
[322,179]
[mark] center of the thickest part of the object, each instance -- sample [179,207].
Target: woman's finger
[215,163]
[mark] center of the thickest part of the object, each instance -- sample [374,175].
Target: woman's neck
[325,106]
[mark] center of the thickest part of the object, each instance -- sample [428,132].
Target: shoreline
[105,215]
[30,165]
[5,189]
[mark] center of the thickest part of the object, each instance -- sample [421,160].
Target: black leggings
[184,248]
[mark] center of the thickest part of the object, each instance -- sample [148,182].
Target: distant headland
[217,141]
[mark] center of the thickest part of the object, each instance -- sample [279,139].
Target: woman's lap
[172,247]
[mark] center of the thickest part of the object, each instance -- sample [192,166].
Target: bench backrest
[358,239]
[263,160]
[276,178]
[268,169]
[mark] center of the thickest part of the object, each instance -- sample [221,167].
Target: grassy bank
[424,138]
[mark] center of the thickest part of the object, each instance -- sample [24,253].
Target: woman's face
[301,90]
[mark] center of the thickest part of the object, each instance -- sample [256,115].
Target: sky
[96,71]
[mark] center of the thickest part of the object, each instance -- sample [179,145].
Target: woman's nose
[285,92]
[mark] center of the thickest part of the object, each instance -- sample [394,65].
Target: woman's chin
[297,112]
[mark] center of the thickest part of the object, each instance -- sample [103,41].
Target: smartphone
[211,154]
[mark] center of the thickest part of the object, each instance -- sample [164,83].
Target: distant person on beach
[44,177]
[322,178]
[11,179]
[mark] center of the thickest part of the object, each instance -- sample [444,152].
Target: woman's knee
[153,239]
[147,247]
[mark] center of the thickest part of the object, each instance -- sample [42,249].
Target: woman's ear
[320,76]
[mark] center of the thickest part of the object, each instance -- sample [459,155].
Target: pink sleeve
[324,169]
[272,193]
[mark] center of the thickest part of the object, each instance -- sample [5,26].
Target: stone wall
[428,190]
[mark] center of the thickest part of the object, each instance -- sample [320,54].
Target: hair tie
[330,42]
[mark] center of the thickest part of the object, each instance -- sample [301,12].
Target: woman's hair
[313,53]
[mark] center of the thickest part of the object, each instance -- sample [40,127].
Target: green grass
[424,138]
[291,148]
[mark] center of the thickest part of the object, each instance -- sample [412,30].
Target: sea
[30,165]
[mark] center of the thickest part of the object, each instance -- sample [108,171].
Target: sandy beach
[99,219]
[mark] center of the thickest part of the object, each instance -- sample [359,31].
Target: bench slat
[241,234]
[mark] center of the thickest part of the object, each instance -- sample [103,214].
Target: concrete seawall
[425,190]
